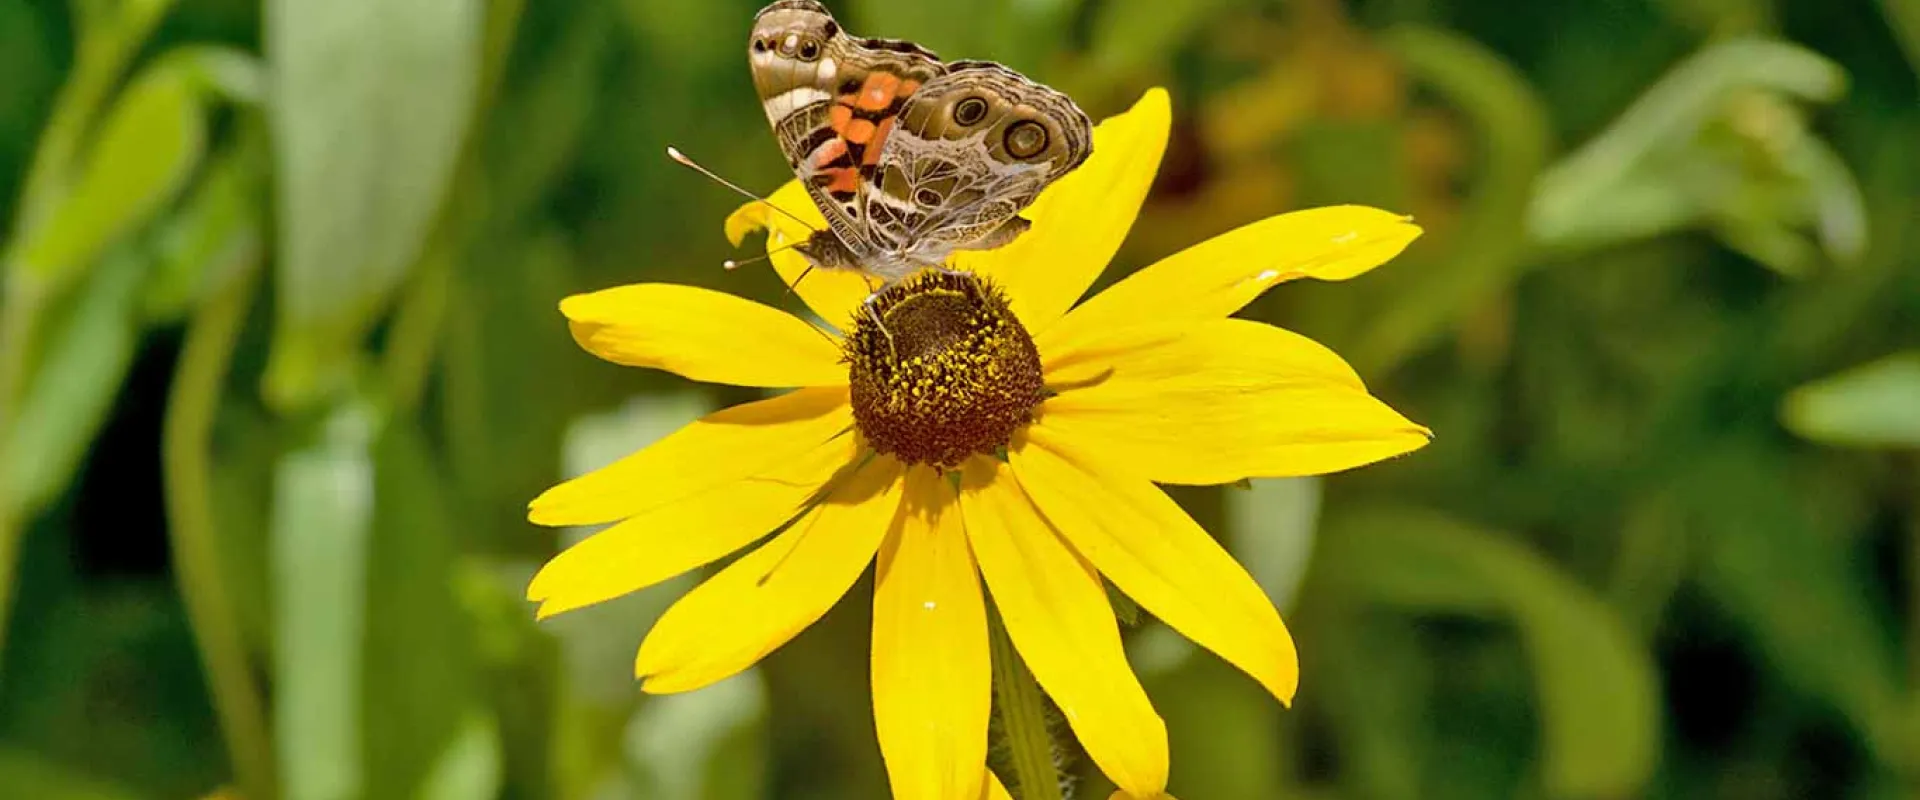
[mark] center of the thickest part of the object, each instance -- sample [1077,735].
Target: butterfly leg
[874,314]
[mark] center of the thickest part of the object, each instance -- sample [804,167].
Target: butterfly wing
[972,148]
[832,100]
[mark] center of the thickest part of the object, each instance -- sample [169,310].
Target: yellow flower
[968,429]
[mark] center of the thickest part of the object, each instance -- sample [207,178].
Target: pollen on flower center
[940,369]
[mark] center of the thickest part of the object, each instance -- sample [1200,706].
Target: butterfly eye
[1025,139]
[970,111]
[809,50]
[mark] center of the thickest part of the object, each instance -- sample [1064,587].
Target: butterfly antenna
[675,154]
[731,264]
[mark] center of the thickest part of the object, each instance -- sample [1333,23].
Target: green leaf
[470,767]
[109,36]
[1593,196]
[228,73]
[147,147]
[89,346]
[1130,35]
[1221,728]
[1770,561]
[704,745]
[420,684]
[372,102]
[1872,405]
[218,231]
[1271,527]
[28,775]
[321,527]
[1594,680]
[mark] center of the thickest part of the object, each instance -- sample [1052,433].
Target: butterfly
[908,157]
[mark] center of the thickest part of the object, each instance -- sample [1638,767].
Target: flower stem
[1023,720]
[186,454]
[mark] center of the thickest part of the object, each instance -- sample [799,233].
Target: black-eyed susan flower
[985,428]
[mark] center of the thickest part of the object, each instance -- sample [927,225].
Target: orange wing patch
[859,132]
[871,155]
[878,92]
[861,120]
[833,149]
[843,180]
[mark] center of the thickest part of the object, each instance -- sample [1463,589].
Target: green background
[280,366]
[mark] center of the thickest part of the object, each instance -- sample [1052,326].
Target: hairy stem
[1023,720]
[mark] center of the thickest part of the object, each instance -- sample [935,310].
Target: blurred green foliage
[280,365]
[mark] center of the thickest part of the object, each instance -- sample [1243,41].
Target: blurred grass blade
[469,768]
[1599,707]
[1873,405]
[421,683]
[1488,250]
[373,99]
[24,774]
[1271,527]
[89,345]
[147,147]
[322,521]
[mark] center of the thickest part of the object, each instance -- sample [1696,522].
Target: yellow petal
[1120,794]
[1223,400]
[1158,556]
[932,680]
[690,532]
[1080,221]
[832,294]
[770,595]
[1056,613]
[723,448]
[1219,276]
[704,335]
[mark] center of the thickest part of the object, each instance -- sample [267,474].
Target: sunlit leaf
[147,147]
[372,104]
[1599,707]
[1873,405]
